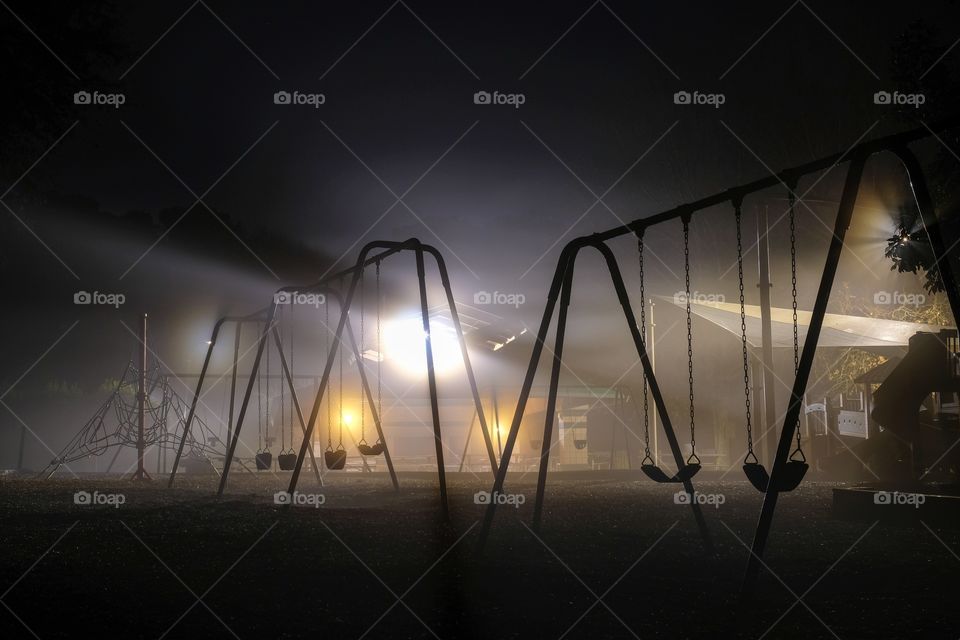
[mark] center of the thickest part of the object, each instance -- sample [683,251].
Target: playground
[430,320]
[611,536]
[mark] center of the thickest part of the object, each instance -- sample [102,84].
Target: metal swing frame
[257,318]
[855,157]
[266,316]
[387,249]
[561,287]
[238,322]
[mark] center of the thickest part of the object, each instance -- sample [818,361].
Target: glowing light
[405,344]
[347,418]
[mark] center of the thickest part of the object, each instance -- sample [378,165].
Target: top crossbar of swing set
[785,177]
[856,156]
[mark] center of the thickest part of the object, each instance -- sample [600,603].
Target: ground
[371,563]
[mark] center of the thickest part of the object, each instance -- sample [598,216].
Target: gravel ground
[615,558]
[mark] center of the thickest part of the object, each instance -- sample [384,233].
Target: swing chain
[293,384]
[340,400]
[266,423]
[379,354]
[751,457]
[686,269]
[326,350]
[259,413]
[283,398]
[363,300]
[792,200]
[793,280]
[643,332]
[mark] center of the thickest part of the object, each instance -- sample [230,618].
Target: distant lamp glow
[405,344]
[347,418]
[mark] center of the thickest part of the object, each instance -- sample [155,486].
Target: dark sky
[498,189]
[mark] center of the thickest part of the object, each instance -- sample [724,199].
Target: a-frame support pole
[847,201]
[261,345]
[432,382]
[466,444]
[654,387]
[373,409]
[471,378]
[559,287]
[233,379]
[551,412]
[296,401]
[931,225]
[501,476]
[196,397]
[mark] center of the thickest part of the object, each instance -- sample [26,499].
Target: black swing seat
[335,460]
[287,461]
[264,460]
[793,473]
[370,449]
[657,474]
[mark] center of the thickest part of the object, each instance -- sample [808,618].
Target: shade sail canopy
[839,331]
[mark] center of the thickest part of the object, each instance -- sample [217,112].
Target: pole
[496,421]
[466,444]
[550,415]
[471,379]
[295,400]
[432,382]
[845,213]
[196,397]
[932,227]
[232,448]
[233,380]
[373,412]
[141,473]
[658,401]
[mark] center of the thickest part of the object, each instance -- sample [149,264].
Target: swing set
[286,460]
[373,254]
[789,465]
